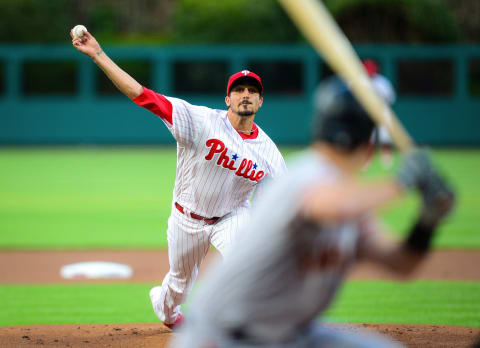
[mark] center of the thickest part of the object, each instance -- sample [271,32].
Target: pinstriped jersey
[286,269]
[217,167]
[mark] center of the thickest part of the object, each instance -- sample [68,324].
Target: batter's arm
[353,201]
[344,201]
[89,46]
[383,249]
[438,200]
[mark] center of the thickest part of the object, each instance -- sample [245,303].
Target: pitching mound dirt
[92,336]
[156,335]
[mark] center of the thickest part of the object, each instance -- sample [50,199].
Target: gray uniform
[282,273]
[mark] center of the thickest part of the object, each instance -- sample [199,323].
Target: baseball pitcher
[306,232]
[221,157]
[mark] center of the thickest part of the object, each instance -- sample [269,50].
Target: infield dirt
[37,267]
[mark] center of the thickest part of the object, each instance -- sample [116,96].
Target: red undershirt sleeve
[155,103]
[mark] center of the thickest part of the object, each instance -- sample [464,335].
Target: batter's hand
[416,167]
[86,44]
[419,173]
[438,198]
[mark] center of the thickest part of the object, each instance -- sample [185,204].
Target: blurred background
[50,94]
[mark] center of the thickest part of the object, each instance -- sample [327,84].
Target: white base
[96,270]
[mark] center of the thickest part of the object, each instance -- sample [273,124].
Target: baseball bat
[321,30]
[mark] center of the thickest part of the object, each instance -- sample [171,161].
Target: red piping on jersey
[155,103]
[162,107]
[253,135]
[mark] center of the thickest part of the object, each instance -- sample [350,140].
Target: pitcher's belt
[209,221]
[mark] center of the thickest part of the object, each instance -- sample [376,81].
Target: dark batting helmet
[339,119]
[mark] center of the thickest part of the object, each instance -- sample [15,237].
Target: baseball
[78,30]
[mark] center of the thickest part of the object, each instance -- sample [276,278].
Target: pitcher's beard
[245,113]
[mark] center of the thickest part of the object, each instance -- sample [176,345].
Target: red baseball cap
[249,76]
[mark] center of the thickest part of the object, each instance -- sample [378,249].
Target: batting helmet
[339,119]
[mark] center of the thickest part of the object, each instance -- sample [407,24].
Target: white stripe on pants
[188,243]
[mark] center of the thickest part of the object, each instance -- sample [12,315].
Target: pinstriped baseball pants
[188,243]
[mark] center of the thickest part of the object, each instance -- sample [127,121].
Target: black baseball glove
[419,173]
[438,198]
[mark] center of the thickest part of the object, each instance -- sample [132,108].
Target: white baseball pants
[188,243]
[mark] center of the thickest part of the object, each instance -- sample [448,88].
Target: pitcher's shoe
[176,324]
[155,293]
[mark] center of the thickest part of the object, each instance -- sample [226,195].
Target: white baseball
[78,30]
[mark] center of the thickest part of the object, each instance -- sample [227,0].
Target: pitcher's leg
[187,246]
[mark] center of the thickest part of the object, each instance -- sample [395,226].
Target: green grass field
[433,302]
[94,197]
[71,198]
[121,198]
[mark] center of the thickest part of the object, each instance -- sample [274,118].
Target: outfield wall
[55,95]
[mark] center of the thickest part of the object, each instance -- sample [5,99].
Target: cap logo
[245,72]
